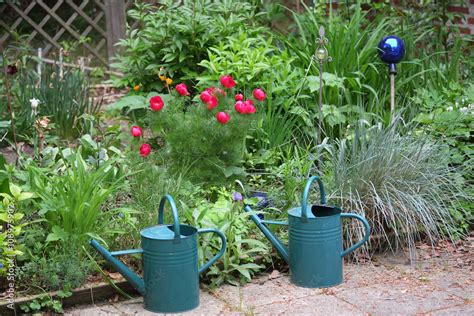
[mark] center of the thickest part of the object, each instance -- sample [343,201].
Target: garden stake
[391,51]
[314,253]
[321,55]
[170,281]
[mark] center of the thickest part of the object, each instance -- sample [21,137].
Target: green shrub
[195,141]
[238,263]
[402,184]
[72,197]
[176,36]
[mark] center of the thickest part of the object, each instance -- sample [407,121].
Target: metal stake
[321,55]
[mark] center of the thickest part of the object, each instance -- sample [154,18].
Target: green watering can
[170,281]
[314,253]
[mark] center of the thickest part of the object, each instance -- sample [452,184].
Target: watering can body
[170,264]
[315,248]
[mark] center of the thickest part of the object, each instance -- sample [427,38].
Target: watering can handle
[168,198]
[221,252]
[366,235]
[304,201]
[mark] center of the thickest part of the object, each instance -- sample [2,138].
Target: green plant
[255,58]
[53,270]
[45,302]
[354,86]
[11,226]
[238,262]
[64,100]
[448,115]
[176,36]
[401,183]
[72,198]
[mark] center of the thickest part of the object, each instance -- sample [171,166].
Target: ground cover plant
[218,91]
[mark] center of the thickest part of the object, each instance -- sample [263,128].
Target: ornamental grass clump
[401,183]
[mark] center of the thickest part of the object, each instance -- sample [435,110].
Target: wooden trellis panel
[50,22]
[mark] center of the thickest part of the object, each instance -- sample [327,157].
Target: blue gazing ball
[391,49]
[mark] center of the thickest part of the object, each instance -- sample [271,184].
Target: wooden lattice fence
[94,26]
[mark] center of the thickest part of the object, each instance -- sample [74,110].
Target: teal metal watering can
[170,281]
[314,252]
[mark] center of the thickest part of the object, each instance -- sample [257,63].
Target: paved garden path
[441,284]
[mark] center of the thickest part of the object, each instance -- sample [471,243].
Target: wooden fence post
[115,21]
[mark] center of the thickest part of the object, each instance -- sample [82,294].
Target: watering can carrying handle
[168,198]
[304,201]
[366,235]
[221,252]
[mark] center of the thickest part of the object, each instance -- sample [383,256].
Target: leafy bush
[238,262]
[176,36]
[72,197]
[401,184]
[207,141]
[11,226]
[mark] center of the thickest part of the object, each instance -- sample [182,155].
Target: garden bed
[87,294]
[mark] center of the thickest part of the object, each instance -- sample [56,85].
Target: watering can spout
[271,237]
[128,274]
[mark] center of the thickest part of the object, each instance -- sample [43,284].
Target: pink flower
[249,108]
[209,99]
[156,103]
[212,103]
[205,96]
[227,81]
[145,150]
[239,97]
[136,131]
[240,107]
[182,89]
[223,117]
[259,95]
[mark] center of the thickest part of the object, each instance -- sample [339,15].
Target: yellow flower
[169,81]
[136,88]
[162,77]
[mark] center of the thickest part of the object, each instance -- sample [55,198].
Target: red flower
[205,96]
[223,117]
[156,103]
[145,150]
[209,99]
[259,94]
[182,89]
[136,131]
[240,107]
[249,108]
[239,97]
[212,103]
[227,81]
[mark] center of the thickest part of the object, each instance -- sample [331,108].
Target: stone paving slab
[380,287]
